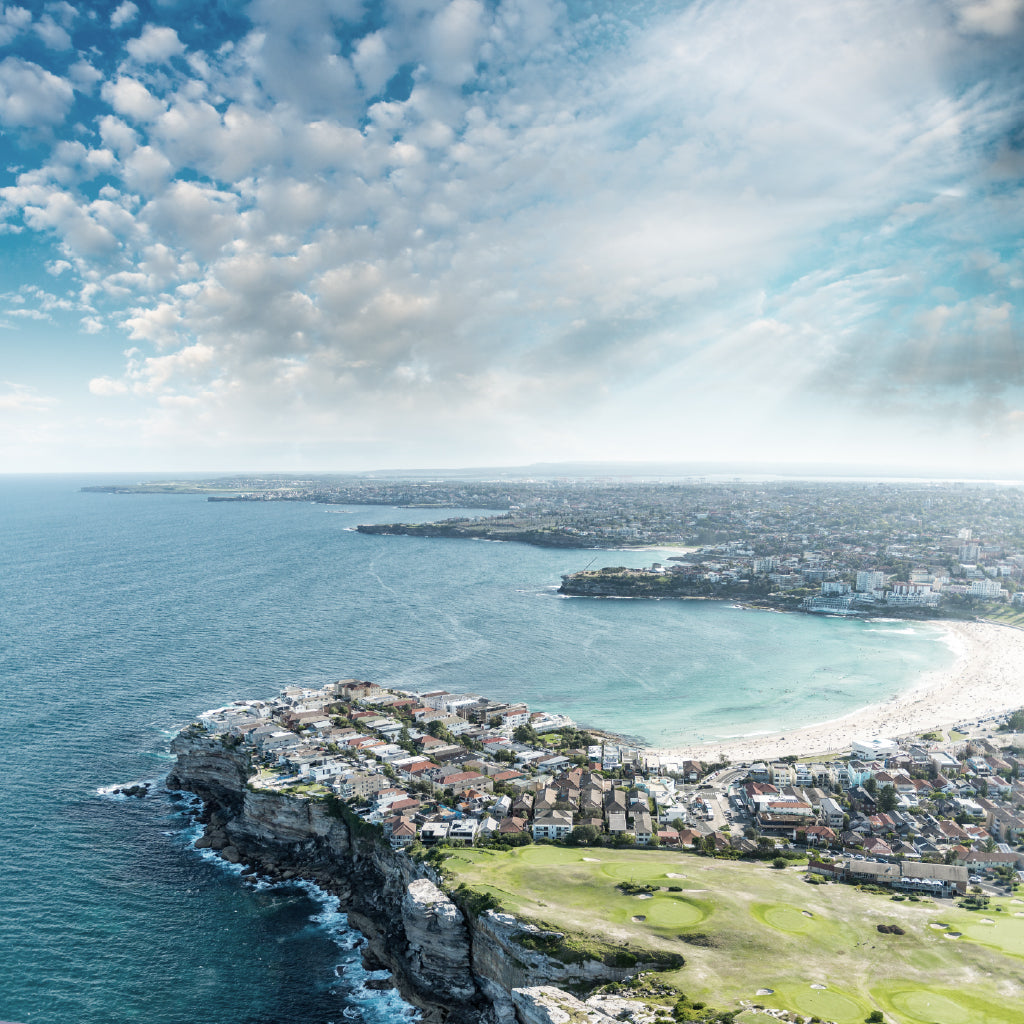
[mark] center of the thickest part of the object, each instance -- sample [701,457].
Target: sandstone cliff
[457,971]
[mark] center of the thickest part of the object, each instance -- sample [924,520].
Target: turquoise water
[121,617]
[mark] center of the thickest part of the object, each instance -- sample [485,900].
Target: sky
[343,235]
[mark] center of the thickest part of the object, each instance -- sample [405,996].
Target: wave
[361,1002]
[116,791]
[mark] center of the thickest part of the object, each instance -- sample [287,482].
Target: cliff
[457,970]
[480,529]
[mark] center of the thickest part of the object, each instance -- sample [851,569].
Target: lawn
[745,928]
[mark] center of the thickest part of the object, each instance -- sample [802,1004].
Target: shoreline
[985,678]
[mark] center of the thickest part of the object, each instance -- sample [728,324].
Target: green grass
[744,926]
[1006,614]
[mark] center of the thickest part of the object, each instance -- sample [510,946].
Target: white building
[876,748]
[868,581]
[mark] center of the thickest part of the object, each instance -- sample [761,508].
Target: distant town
[914,549]
[932,814]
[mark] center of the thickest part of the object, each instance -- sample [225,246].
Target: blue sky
[344,235]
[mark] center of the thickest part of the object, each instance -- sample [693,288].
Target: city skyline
[346,236]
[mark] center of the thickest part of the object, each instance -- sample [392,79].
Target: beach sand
[986,678]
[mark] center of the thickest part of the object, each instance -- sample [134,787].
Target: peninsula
[506,866]
[914,549]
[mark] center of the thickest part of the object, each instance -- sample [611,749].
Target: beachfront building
[876,748]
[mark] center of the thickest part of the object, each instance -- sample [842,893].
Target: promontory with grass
[507,867]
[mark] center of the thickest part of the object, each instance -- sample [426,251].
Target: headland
[421,811]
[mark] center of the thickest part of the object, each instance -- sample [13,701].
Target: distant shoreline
[986,678]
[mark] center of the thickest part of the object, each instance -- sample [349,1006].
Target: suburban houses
[919,816]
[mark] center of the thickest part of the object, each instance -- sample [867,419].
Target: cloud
[989,17]
[130,98]
[502,210]
[13,20]
[23,399]
[54,36]
[31,96]
[123,14]
[156,45]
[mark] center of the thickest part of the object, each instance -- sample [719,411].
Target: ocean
[124,616]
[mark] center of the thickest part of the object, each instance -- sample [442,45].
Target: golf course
[753,934]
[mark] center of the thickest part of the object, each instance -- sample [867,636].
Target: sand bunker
[765,992]
[938,924]
[640,917]
[593,860]
[986,920]
[645,896]
[819,986]
[806,913]
[672,874]
[953,935]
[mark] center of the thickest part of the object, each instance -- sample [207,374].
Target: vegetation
[744,929]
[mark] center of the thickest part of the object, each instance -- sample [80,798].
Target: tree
[1015,723]
[584,835]
[888,799]
[525,734]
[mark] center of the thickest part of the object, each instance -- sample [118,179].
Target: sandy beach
[985,678]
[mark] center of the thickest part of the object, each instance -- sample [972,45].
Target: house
[553,825]
[831,813]
[934,879]
[402,835]
[617,823]
[642,827]
[464,830]
[433,832]
[511,826]
[819,835]
[980,861]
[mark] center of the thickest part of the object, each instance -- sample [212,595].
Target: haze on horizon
[334,235]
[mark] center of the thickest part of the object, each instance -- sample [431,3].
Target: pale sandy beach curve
[986,678]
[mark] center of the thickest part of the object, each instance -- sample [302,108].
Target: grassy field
[745,928]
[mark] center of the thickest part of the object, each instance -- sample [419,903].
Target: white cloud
[21,398]
[130,98]
[156,45]
[54,36]
[13,20]
[453,41]
[146,170]
[373,63]
[560,215]
[106,387]
[31,96]
[84,76]
[989,17]
[123,14]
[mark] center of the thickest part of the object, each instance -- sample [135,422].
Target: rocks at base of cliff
[545,1004]
[138,789]
[438,942]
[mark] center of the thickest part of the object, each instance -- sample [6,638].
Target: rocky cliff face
[456,971]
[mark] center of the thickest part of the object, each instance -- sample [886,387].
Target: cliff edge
[456,970]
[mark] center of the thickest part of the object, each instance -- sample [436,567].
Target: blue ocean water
[121,617]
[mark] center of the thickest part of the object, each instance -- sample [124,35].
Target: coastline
[985,678]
